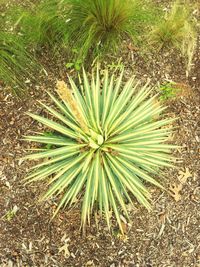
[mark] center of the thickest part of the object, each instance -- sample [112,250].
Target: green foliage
[96,26]
[99,26]
[75,63]
[51,24]
[118,66]
[109,144]
[10,214]
[168,90]
[43,24]
[16,64]
[23,33]
[81,29]
[176,30]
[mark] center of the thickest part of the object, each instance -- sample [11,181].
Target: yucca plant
[16,63]
[99,26]
[108,144]
[176,30]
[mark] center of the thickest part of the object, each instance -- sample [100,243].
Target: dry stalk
[66,95]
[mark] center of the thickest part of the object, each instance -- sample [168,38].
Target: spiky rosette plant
[109,144]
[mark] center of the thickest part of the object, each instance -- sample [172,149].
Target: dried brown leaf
[183,176]
[65,249]
[175,191]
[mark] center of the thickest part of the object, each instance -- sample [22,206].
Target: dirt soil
[168,236]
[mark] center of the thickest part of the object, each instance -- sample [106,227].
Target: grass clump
[176,30]
[78,29]
[16,64]
[23,34]
[99,26]
[43,25]
[107,144]
[50,25]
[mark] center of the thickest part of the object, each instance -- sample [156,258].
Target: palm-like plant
[108,144]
